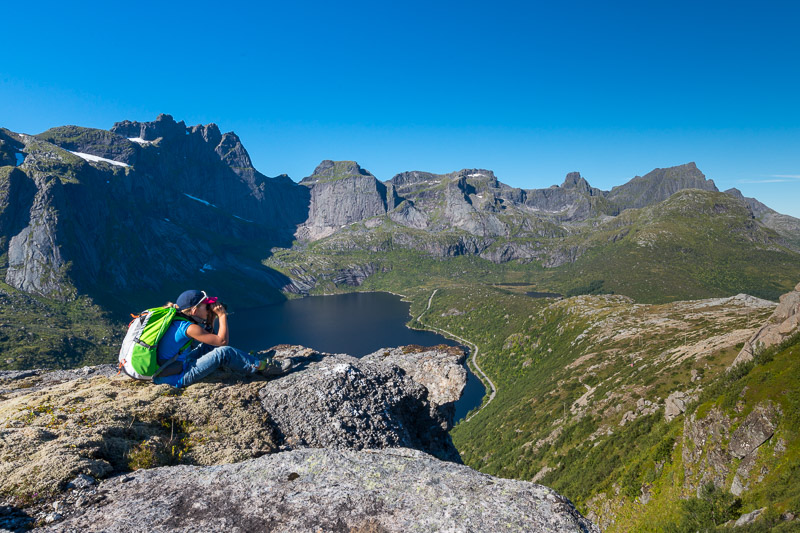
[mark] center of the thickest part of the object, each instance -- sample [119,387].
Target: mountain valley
[618,390]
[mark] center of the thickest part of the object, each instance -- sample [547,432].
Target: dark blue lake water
[356,324]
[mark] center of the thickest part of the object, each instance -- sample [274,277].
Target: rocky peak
[658,185]
[342,193]
[758,209]
[164,126]
[232,152]
[575,181]
[413,177]
[334,170]
[210,133]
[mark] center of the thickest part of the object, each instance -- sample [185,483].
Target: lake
[356,324]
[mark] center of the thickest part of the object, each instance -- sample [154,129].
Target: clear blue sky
[531,90]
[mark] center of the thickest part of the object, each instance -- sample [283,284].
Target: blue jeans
[204,359]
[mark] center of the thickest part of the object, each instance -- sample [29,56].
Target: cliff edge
[338,443]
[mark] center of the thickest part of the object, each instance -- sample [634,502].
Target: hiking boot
[271,367]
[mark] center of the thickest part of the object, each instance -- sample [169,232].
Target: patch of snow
[98,159]
[476,175]
[139,140]
[240,218]
[20,158]
[199,200]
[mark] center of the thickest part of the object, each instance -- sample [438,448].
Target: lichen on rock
[386,491]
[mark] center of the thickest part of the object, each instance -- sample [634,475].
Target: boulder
[440,369]
[749,518]
[675,404]
[394,490]
[338,401]
[782,324]
[756,429]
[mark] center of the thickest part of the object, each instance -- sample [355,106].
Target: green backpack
[138,355]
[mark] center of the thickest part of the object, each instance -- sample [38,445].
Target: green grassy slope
[697,244]
[42,333]
[774,480]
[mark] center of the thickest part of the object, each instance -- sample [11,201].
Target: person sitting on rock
[213,351]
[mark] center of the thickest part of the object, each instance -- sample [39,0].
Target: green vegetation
[43,333]
[594,287]
[771,378]
[162,451]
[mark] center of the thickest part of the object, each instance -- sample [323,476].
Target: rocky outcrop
[394,490]
[676,403]
[710,449]
[56,425]
[327,446]
[749,518]
[756,429]
[753,431]
[705,457]
[338,401]
[355,275]
[341,193]
[782,324]
[407,215]
[441,370]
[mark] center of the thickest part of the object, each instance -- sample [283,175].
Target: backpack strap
[165,365]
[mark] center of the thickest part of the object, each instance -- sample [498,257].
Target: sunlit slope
[583,384]
[696,244]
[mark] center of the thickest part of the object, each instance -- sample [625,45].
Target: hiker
[196,363]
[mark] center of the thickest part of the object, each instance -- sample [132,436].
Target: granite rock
[394,490]
[782,324]
[338,401]
[756,429]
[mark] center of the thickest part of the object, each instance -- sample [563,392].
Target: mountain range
[147,207]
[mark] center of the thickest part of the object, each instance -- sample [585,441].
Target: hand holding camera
[219,308]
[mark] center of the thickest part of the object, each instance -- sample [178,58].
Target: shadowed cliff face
[92,212]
